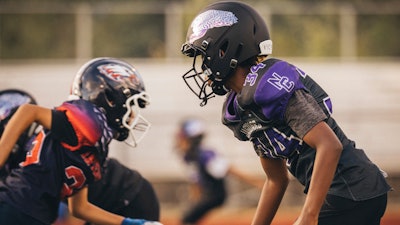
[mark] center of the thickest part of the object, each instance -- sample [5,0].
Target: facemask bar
[197,80]
[137,125]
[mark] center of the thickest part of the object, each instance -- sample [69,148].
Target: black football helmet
[224,35]
[117,88]
[10,100]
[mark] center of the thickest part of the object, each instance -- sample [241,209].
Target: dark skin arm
[254,181]
[81,208]
[272,193]
[328,149]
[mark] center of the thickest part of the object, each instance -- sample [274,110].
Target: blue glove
[130,221]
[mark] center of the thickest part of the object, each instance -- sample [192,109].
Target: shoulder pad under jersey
[269,86]
[88,122]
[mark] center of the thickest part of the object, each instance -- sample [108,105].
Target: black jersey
[118,187]
[60,162]
[277,106]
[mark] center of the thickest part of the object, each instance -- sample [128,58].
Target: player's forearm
[270,199]
[80,208]
[328,150]
[99,216]
[323,172]
[254,181]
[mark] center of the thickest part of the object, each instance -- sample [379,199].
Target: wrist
[130,221]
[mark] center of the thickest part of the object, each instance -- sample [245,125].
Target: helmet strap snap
[233,63]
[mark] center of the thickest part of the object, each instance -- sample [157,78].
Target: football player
[71,148]
[286,115]
[10,100]
[207,171]
[121,190]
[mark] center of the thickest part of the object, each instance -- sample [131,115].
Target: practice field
[243,217]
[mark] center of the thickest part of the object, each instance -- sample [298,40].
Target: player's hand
[130,221]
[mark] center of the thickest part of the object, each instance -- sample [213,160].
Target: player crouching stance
[68,153]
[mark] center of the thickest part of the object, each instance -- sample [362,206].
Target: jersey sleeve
[303,113]
[84,123]
[62,129]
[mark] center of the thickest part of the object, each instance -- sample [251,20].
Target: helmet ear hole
[222,49]
[109,98]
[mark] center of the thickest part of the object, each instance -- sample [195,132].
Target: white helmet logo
[208,20]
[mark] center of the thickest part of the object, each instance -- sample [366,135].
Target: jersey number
[78,180]
[33,155]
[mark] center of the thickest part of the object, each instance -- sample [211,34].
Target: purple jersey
[199,160]
[258,112]
[60,162]
[277,106]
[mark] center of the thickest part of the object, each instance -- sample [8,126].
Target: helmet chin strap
[219,89]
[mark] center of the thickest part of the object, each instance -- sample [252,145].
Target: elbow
[281,182]
[278,184]
[285,181]
[77,212]
[338,148]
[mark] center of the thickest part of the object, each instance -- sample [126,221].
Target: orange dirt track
[243,217]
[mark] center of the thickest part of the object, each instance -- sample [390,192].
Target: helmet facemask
[133,121]
[197,78]
[200,78]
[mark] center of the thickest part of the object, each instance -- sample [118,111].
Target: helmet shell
[11,99]
[227,34]
[108,83]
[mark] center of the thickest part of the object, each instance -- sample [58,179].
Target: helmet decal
[119,72]
[9,101]
[210,19]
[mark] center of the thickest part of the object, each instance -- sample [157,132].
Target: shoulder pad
[275,82]
[246,97]
[87,121]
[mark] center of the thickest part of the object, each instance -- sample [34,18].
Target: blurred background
[350,47]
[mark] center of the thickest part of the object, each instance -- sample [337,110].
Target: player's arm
[328,149]
[251,180]
[272,193]
[81,208]
[19,122]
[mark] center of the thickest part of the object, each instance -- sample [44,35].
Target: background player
[10,100]
[74,142]
[287,117]
[207,169]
